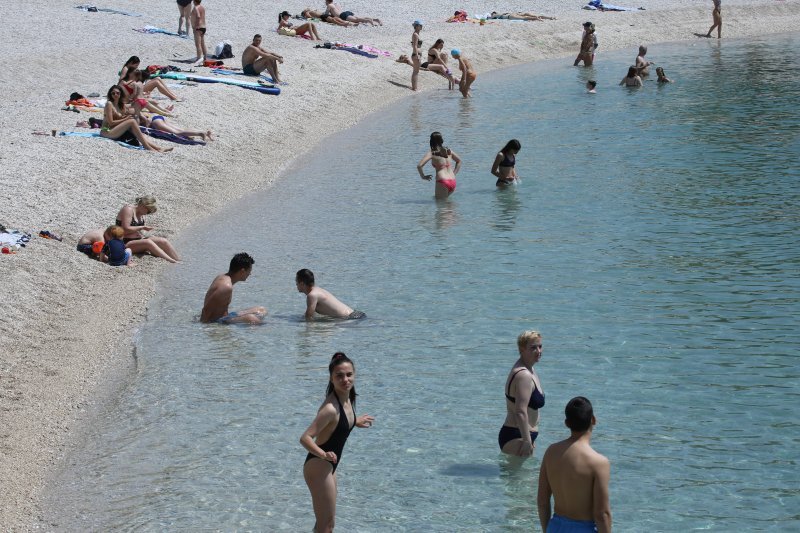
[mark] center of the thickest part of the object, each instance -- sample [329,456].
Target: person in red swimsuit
[439,156]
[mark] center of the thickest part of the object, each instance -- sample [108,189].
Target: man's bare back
[219,295]
[218,298]
[325,303]
[577,478]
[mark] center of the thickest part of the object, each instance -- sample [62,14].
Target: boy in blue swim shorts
[576,477]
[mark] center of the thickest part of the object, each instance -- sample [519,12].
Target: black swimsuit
[335,442]
[536,402]
[508,161]
[134,223]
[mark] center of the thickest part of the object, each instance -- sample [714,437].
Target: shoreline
[68,340]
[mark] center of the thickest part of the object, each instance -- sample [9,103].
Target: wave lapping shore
[68,322]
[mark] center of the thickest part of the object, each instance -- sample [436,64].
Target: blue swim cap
[455,52]
[417,23]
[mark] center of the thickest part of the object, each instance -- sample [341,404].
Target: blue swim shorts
[227,318]
[560,524]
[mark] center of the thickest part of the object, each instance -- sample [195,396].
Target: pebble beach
[69,323]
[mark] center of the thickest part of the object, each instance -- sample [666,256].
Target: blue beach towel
[226,81]
[105,10]
[153,30]
[97,135]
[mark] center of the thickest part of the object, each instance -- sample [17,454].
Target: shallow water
[653,241]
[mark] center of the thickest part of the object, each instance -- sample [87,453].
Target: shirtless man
[577,478]
[321,301]
[255,59]
[199,26]
[642,65]
[335,11]
[468,75]
[219,294]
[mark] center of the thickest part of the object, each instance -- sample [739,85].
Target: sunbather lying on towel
[324,17]
[159,122]
[518,16]
[332,8]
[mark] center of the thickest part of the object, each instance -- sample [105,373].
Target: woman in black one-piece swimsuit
[325,437]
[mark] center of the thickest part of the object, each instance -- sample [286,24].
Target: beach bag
[223,50]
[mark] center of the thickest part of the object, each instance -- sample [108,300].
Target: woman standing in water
[504,162]
[716,15]
[439,156]
[524,398]
[325,437]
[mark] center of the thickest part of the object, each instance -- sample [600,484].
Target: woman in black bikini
[416,60]
[504,163]
[131,220]
[325,437]
[524,398]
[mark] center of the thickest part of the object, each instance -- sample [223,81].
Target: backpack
[223,50]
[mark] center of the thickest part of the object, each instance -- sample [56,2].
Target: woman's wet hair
[133,60]
[527,336]
[579,414]
[283,14]
[147,201]
[339,358]
[438,42]
[631,71]
[513,144]
[642,49]
[437,145]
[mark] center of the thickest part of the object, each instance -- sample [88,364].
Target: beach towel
[95,9]
[97,135]
[208,79]
[167,136]
[154,30]
[367,48]
[597,4]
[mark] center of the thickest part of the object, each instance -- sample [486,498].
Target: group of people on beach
[116,244]
[131,109]
[571,472]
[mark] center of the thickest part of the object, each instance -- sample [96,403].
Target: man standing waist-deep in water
[318,300]
[577,478]
[220,293]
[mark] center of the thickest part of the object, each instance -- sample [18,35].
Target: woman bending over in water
[632,79]
[118,125]
[503,166]
[131,220]
[468,74]
[439,156]
[325,438]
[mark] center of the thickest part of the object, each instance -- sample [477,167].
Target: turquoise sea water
[653,242]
